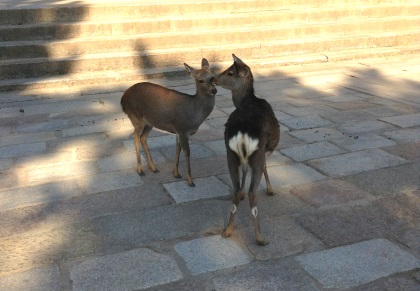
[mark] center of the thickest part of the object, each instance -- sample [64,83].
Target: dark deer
[252,132]
[149,105]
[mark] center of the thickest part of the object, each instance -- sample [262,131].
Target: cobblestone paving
[74,215]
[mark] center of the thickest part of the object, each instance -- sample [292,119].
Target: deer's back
[256,118]
[164,108]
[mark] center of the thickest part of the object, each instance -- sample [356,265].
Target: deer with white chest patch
[149,105]
[252,132]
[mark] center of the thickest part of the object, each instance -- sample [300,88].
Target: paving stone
[17,120]
[129,229]
[197,151]
[404,121]
[276,159]
[404,135]
[128,161]
[351,105]
[305,111]
[50,125]
[388,181]
[45,160]
[312,151]
[363,142]
[387,217]
[6,164]
[110,181]
[390,284]
[163,141]
[294,174]
[19,197]
[105,150]
[94,128]
[353,127]
[357,264]
[5,130]
[386,111]
[287,141]
[343,98]
[217,146]
[411,238]
[47,243]
[208,187]
[347,116]
[306,122]
[270,276]
[35,279]
[72,143]
[193,283]
[277,205]
[316,134]
[280,115]
[135,269]
[356,162]
[9,180]
[20,150]
[408,151]
[15,139]
[60,172]
[209,254]
[220,121]
[328,193]
[285,236]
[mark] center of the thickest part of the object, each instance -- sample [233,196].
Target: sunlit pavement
[75,215]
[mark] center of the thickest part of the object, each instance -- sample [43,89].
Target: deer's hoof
[262,242]
[225,234]
[155,171]
[191,184]
[270,193]
[140,173]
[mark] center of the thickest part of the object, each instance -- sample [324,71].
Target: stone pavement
[74,215]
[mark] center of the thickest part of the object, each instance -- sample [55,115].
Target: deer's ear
[237,60]
[205,63]
[241,69]
[190,70]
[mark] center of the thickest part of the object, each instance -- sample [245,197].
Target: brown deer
[252,132]
[149,105]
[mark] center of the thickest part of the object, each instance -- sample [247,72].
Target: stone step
[79,12]
[45,67]
[57,31]
[119,81]
[148,42]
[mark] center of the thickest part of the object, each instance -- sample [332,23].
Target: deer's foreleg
[183,141]
[177,153]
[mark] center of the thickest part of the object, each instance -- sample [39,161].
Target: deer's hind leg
[267,182]
[143,140]
[233,164]
[138,131]
[258,167]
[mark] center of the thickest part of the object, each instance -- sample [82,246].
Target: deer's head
[237,77]
[202,78]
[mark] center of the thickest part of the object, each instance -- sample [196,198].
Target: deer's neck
[238,96]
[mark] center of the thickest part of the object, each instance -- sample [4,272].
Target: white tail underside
[243,141]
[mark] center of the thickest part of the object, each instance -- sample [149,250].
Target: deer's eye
[230,74]
[201,81]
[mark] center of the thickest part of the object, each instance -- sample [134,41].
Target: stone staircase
[89,45]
